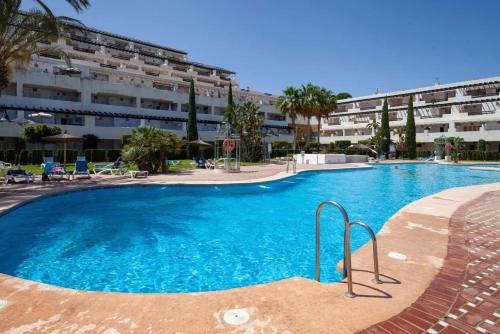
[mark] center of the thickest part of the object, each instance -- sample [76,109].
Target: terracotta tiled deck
[464,296]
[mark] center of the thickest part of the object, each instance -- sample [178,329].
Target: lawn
[183,165]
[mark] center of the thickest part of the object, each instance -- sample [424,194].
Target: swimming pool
[200,238]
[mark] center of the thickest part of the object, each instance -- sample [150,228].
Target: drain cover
[3,303]
[237,316]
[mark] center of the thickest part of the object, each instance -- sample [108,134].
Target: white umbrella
[23,121]
[40,114]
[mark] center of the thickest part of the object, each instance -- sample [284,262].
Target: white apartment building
[469,109]
[117,84]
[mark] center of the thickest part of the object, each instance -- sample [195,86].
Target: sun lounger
[81,168]
[115,168]
[54,171]
[18,175]
[198,162]
[172,162]
[5,165]
[137,173]
[209,164]
[47,160]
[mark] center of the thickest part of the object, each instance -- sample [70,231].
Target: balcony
[108,66]
[333,121]
[482,92]
[438,96]
[86,50]
[369,105]
[398,101]
[115,100]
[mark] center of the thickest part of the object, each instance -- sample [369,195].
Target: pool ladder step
[347,269]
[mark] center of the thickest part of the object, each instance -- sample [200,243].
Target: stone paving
[464,295]
[447,282]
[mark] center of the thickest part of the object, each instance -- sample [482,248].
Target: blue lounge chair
[198,162]
[47,160]
[81,168]
[54,171]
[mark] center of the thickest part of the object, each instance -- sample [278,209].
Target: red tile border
[464,296]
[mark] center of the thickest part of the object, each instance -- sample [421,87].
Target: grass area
[183,165]
[258,163]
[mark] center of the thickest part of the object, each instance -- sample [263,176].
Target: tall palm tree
[78,5]
[289,104]
[22,31]
[326,103]
[309,105]
[400,132]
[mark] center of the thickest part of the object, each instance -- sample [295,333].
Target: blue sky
[357,46]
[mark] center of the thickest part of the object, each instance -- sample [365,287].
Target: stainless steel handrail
[294,162]
[347,268]
[376,279]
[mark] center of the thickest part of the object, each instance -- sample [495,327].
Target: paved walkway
[464,296]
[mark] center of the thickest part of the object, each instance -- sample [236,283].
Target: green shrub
[98,156]
[112,155]
[10,156]
[24,158]
[481,145]
[330,148]
[279,145]
[342,144]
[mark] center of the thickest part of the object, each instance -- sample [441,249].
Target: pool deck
[438,259]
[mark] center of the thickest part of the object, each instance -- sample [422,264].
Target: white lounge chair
[209,164]
[114,168]
[18,175]
[137,173]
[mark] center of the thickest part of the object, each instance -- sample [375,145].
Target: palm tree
[289,104]
[309,105]
[147,147]
[373,125]
[400,132]
[326,103]
[78,5]
[21,33]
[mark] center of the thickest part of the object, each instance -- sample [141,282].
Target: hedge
[35,157]
[342,144]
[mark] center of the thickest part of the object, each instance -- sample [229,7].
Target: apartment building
[116,84]
[469,109]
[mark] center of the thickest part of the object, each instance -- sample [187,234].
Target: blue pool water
[199,238]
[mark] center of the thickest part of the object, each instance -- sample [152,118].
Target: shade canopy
[23,121]
[40,114]
[200,143]
[362,147]
[63,138]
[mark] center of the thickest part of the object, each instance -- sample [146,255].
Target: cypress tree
[229,116]
[410,132]
[385,132]
[191,126]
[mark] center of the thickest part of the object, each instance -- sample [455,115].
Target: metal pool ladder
[347,269]
[293,162]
